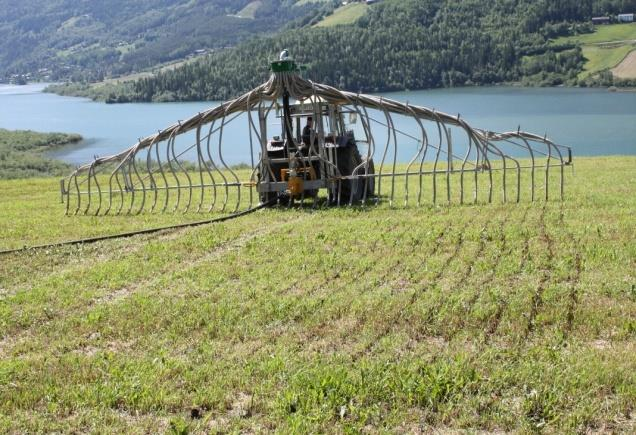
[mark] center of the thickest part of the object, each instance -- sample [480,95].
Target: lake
[592,121]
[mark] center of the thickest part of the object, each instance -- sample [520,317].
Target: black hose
[139,232]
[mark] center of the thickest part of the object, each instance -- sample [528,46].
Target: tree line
[408,44]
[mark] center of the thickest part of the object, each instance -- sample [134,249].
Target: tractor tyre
[348,159]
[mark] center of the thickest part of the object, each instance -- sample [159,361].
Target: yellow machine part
[295,184]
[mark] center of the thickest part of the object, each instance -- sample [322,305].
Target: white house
[625,18]
[601,20]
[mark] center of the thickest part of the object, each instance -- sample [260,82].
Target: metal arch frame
[85,181]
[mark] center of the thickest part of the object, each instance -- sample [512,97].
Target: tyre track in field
[270,338]
[359,321]
[573,278]
[390,268]
[434,252]
[573,295]
[326,277]
[447,262]
[414,297]
[572,281]
[16,335]
[495,320]
[321,302]
[367,269]
[430,313]
[502,251]
[548,270]
[96,252]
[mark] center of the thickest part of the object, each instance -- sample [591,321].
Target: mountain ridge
[90,40]
[400,45]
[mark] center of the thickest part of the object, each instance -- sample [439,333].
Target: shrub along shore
[23,153]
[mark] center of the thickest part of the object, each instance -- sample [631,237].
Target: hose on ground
[138,232]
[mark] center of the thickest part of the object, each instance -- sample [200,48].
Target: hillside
[605,49]
[346,14]
[90,40]
[495,318]
[396,45]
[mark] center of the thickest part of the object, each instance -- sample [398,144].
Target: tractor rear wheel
[353,190]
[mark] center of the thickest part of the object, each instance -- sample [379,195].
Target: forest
[89,40]
[397,45]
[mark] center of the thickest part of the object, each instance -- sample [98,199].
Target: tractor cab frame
[293,167]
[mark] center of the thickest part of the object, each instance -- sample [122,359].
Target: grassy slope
[250,10]
[614,32]
[347,14]
[490,316]
[601,58]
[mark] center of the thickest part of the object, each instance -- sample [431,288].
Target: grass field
[602,58]
[346,14]
[516,317]
[605,48]
[610,33]
[250,10]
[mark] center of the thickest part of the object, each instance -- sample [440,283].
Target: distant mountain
[395,45]
[93,39]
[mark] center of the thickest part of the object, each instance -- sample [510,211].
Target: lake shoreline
[591,120]
[26,153]
[517,85]
[81,90]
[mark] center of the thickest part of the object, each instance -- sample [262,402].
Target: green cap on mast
[285,63]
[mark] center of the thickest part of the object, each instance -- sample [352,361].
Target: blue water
[591,121]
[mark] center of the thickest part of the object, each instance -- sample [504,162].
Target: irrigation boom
[353,151]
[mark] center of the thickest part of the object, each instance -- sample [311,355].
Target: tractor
[295,166]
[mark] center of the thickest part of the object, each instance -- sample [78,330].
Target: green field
[490,317]
[605,48]
[610,33]
[347,14]
[602,58]
[250,10]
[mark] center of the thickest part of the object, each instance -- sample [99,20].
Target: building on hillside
[625,18]
[600,20]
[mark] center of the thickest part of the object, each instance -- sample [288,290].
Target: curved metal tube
[481,143]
